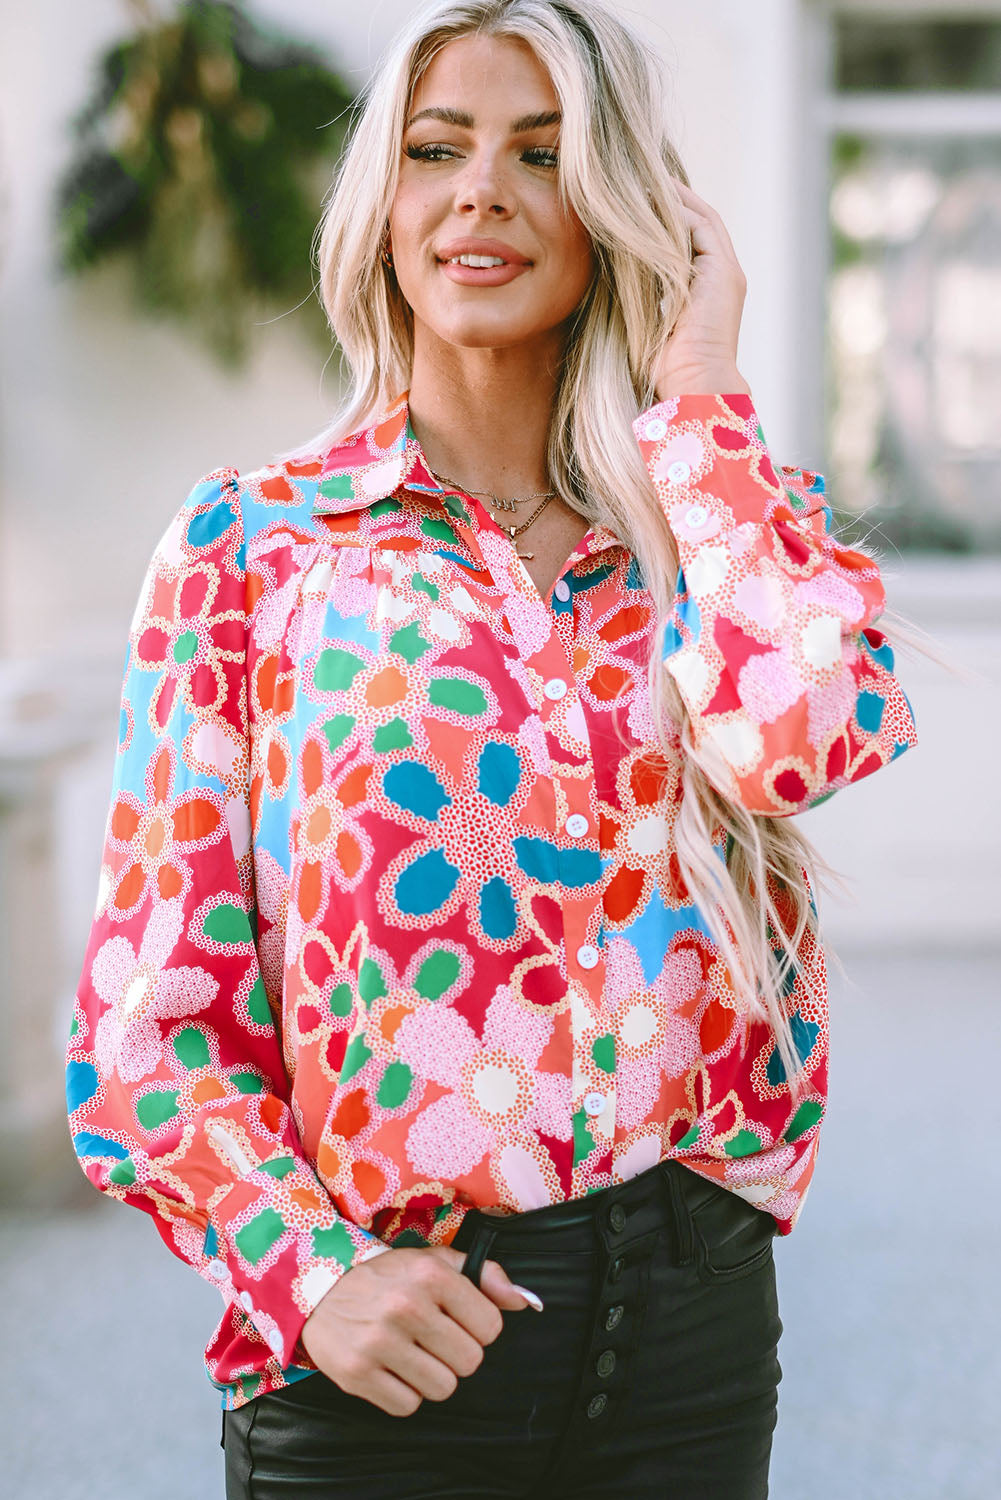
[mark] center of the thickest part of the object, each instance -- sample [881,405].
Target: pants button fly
[616,1269]
[597,1405]
[613,1317]
[605,1363]
[617,1217]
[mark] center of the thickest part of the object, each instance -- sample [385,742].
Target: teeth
[477,260]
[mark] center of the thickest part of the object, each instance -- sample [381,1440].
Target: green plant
[198,158]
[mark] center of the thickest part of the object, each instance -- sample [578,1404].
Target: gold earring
[386,254]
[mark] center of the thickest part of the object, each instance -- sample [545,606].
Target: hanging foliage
[198,157]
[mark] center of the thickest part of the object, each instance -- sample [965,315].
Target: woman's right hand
[405,1325]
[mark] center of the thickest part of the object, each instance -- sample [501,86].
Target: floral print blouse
[391,921]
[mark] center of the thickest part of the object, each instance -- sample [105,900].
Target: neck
[482,416]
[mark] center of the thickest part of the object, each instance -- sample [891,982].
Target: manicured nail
[530,1297]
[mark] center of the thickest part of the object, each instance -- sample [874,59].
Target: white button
[678,472]
[655,430]
[697,516]
[247,1301]
[275,1342]
[588,956]
[594,1103]
[576,825]
[217,1270]
[562,590]
[555,688]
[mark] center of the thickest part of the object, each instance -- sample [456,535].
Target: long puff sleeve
[772,642]
[177,1095]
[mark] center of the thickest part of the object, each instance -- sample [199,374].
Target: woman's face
[478,175]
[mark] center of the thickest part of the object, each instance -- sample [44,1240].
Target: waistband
[575,1211]
[667,1193]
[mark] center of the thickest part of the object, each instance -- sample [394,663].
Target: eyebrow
[465,121]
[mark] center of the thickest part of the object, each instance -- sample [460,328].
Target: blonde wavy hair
[617,172]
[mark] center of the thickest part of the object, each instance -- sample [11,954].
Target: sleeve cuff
[709,465]
[277,1239]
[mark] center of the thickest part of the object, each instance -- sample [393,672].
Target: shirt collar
[374,463]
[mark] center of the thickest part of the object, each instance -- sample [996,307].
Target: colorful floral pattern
[391,920]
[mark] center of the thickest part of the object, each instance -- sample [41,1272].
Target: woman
[454,954]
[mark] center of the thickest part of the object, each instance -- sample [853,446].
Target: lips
[496,248]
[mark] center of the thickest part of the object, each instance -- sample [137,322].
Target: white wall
[106,420]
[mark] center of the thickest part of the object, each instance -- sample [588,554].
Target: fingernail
[530,1297]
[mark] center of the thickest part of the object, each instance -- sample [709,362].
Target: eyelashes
[548,157]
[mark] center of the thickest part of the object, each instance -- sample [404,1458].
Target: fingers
[471,1308]
[495,1285]
[384,1389]
[430,1377]
[407,1326]
[498,1286]
[449,1342]
[704,221]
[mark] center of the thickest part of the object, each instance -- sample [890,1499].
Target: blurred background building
[854,152]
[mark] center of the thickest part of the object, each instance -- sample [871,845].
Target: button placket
[608,1356]
[549,675]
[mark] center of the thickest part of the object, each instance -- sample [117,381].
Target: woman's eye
[547,157]
[427,153]
[539,156]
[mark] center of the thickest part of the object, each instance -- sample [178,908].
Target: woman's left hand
[701,353]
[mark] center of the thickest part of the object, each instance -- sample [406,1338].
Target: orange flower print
[151,839]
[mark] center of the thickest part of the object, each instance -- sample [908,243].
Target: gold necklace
[509,505]
[514,531]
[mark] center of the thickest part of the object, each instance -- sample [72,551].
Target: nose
[483,188]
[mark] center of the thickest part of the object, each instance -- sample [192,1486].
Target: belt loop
[477,1252]
[684,1240]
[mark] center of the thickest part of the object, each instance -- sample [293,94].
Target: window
[914,306]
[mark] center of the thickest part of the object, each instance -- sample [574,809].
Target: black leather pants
[651,1372]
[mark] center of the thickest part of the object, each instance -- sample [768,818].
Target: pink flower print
[444,1142]
[742,538]
[436,1042]
[761,600]
[492,1089]
[832,594]
[271,888]
[526,1033]
[829,706]
[694,522]
[656,1036]
[680,459]
[768,685]
[529,627]
[140,991]
[552,1112]
[352,589]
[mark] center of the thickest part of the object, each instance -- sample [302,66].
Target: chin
[491,333]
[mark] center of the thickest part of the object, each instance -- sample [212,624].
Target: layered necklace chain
[543,496]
